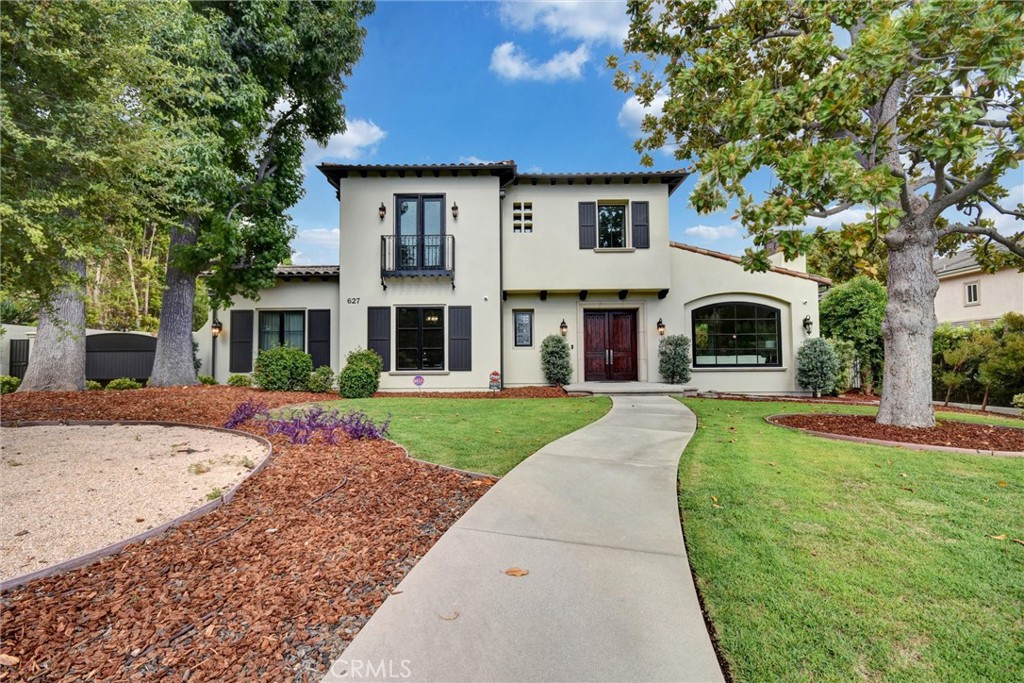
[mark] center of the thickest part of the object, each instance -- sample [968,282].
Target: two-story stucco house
[454,272]
[967,294]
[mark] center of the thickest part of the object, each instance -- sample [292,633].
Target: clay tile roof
[307,271]
[736,259]
[505,170]
[673,178]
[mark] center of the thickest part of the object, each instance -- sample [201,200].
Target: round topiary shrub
[9,384]
[92,385]
[1017,401]
[239,381]
[122,383]
[674,358]
[283,368]
[208,380]
[358,380]
[555,360]
[817,366]
[321,380]
[366,356]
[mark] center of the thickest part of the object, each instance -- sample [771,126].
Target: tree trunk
[172,366]
[908,327]
[984,400]
[57,362]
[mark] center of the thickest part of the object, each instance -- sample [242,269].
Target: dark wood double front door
[609,342]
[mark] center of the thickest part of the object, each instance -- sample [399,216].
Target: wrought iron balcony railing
[417,256]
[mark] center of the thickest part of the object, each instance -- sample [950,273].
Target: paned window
[524,327]
[737,334]
[420,339]
[282,328]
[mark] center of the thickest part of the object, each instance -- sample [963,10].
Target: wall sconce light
[661,327]
[455,211]
[563,328]
[382,211]
[216,327]
[808,325]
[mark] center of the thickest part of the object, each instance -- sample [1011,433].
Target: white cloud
[632,113]
[509,62]
[359,140]
[315,246]
[586,20]
[472,159]
[835,222]
[712,233]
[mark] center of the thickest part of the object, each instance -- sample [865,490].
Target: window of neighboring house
[522,216]
[524,327]
[420,339]
[282,328]
[737,334]
[971,294]
[611,225]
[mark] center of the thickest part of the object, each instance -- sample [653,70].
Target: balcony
[417,256]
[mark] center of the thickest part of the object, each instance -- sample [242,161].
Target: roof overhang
[504,170]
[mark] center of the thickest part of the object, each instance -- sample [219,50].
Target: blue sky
[446,82]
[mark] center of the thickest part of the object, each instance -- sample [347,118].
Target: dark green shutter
[641,225]
[319,339]
[588,225]
[379,333]
[240,334]
[460,338]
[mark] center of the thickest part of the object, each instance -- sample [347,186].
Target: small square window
[523,327]
[972,294]
[522,217]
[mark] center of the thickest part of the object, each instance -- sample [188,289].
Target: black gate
[118,354]
[19,358]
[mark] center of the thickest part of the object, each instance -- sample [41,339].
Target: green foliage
[92,385]
[846,352]
[1003,366]
[1018,401]
[321,380]
[674,358]
[357,380]
[282,368]
[817,366]
[853,311]
[122,383]
[369,358]
[18,310]
[8,384]
[208,380]
[239,381]
[981,363]
[555,360]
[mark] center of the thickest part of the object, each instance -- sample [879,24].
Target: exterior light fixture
[661,327]
[808,324]
[216,327]
[382,211]
[455,211]
[563,328]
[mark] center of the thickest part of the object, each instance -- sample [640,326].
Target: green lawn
[826,560]
[482,435]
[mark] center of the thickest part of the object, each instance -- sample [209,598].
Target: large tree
[288,59]
[912,109]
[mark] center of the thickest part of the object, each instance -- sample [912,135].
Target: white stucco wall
[998,293]
[476,271]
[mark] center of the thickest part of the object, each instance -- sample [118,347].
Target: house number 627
[352,300]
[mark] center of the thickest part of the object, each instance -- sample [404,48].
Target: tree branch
[988,123]
[990,233]
[954,197]
[783,33]
[825,213]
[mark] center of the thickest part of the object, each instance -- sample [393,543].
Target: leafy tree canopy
[853,311]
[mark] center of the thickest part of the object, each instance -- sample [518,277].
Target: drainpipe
[501,285]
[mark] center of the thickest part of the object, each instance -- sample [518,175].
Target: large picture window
[282,328]
[611,226]
[420,339]
[737,335]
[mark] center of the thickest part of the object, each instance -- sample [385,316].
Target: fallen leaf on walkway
[7,660]
[450,617]
[1000,537]
[516,571]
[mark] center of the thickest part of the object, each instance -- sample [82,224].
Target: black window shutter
[379,333]
[641,225]
[460,338]
[588,225]
[318,343]
[241,342]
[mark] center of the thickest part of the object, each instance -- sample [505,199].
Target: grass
[827,560]
[482,435]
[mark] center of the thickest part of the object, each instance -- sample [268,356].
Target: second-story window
[611,225]
[419,231]
[971,294]
[522,216]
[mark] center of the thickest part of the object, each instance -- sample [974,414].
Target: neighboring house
[968,295]
[454,272]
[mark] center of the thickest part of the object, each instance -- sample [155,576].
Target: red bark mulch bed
[271,587]
[946,433]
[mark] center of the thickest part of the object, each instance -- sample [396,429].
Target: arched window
[737,334]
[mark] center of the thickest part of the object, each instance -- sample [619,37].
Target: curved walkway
[594,518]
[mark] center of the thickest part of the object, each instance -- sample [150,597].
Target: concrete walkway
[594,518]
[628,389]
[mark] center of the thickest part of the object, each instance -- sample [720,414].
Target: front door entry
[609,341]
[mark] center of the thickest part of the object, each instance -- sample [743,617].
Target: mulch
[271,587]
[947,433]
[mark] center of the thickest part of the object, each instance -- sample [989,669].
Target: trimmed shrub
[8,384]
[846,352]
[366,356]
[358,380]
[321,380]
[283,368]
[816,366]
[854,311]
[555,360]
[1018,401]
[122,383]
[239,381]
[207,380]
[92,385]
[674,358]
